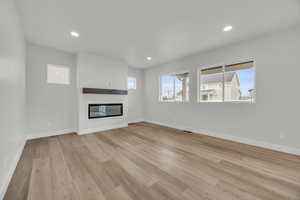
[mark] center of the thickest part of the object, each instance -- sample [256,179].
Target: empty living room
[149,100]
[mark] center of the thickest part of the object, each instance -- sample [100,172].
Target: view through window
[211,86]
[131,83]
[240,83]
[175,87]
[229,83]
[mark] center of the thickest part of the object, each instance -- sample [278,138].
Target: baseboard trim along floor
[266,145]
[93,130]
[51,133]
[12,169]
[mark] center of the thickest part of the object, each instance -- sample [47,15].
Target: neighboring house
[211,87]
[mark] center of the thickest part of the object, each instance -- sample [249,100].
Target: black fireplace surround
[105,110]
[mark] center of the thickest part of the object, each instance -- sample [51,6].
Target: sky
[246,78]
[167,85]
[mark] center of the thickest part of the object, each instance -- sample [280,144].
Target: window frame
[223,67]
[59,66]
[171,74]
[135,82]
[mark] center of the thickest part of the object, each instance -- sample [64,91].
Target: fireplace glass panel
[105,110]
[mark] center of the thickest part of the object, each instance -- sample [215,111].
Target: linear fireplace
[105,110]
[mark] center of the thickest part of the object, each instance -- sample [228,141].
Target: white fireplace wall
[94,71]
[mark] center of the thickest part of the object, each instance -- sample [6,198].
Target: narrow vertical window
[131,83]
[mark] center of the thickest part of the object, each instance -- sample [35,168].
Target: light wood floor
[146,161]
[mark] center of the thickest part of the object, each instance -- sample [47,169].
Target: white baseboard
[11,171]
[94,130]
[50,133]
[262,144]
[135,121]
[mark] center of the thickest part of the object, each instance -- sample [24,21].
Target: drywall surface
[273,119]
[96,71]
[135,97]
[12,88]
[51,108]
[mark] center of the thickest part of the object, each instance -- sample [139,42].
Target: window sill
[174,101]
[245,102]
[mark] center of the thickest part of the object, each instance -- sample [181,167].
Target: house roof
[216,78]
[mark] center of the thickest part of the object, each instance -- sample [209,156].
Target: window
[241,86]
[58,74]
[131,83]
[174,87]
[211,86]
[228,83]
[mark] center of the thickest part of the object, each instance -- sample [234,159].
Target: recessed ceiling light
[149,58]
[74,34]
[227,28]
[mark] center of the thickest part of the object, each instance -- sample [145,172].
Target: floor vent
[186,131]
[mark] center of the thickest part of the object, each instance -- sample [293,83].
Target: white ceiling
[131,30]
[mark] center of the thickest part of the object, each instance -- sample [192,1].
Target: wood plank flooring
[150,162]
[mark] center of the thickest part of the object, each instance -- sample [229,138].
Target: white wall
[12,91]
[95,71]
[277,79]
[136,97]
[51,108]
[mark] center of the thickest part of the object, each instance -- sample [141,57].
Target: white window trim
[170,74]
[223,65]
